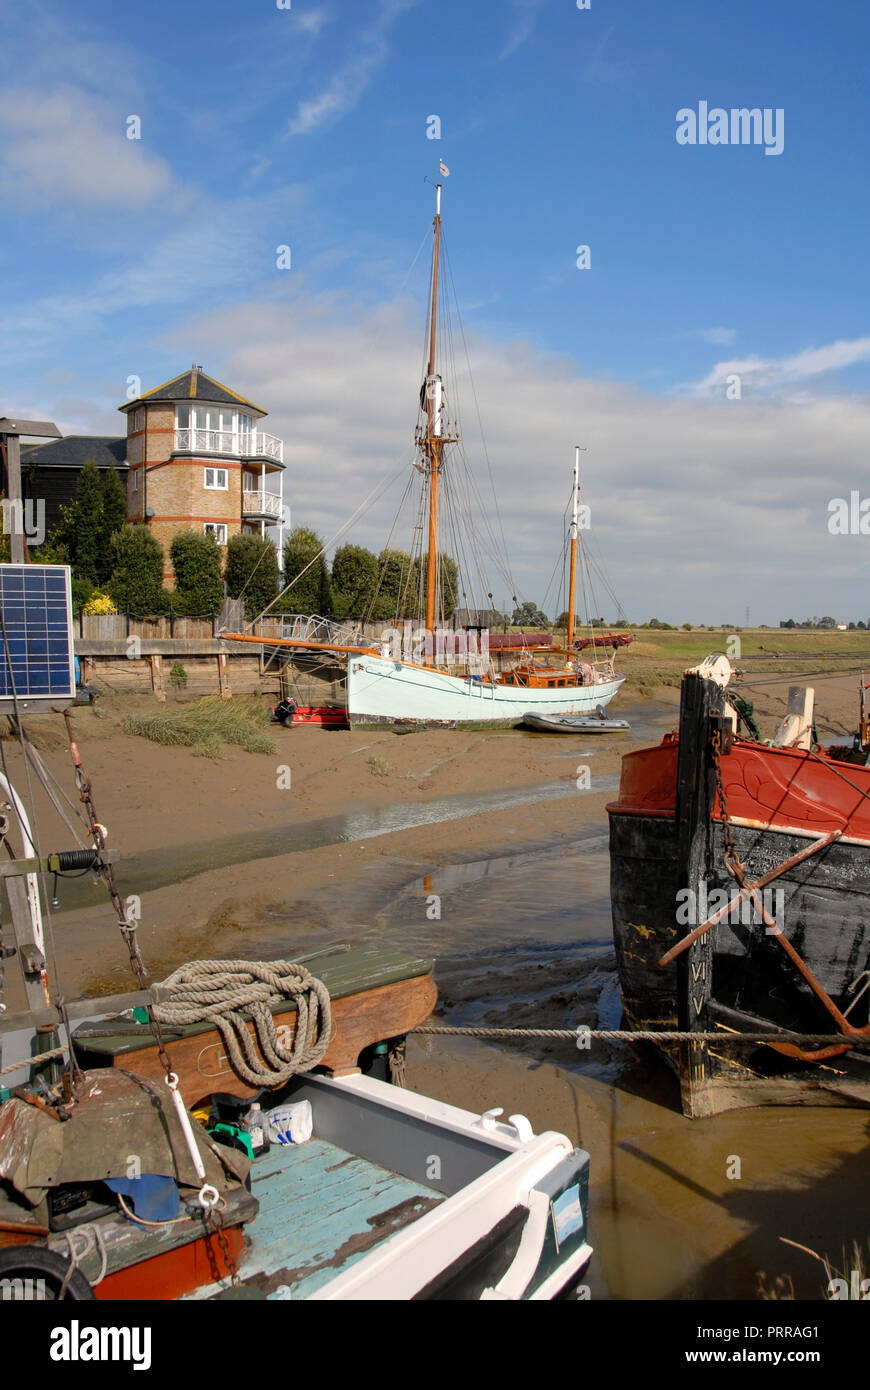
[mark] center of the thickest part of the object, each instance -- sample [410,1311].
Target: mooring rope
[645,1035]
[217,991]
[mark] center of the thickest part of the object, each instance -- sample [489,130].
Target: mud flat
[483,851]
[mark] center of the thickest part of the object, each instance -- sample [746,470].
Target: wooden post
[702,708]
[224,676]
[157,677]
[16,517]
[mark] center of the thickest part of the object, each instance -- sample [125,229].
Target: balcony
[262,506]
[250,444]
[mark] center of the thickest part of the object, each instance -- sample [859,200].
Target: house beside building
[50,472]
[197,458]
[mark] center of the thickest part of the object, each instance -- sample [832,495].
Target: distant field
[659,658]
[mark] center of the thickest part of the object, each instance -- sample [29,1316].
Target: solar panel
[37,653]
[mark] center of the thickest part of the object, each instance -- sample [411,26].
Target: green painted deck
[321,1209]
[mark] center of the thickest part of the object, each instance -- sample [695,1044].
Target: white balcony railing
[265,504]
[251,445]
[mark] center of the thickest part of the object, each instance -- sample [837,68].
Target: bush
[397,580]
[137,570]
[354,581]
[178,677]
[81,588]
[252,571]
[99,604]
[113,518]
[196,560]
[312,593]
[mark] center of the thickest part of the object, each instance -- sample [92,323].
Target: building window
[216,478]
[218,530]
[138,421]
[135,479]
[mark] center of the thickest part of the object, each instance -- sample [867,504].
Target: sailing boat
[427,675]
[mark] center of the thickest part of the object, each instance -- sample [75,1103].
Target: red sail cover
[604,639]
[498,641]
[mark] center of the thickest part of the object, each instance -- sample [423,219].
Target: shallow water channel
[522,938]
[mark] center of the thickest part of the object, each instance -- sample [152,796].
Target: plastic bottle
[255,1126]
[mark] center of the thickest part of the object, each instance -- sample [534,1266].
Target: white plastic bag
[290,1124]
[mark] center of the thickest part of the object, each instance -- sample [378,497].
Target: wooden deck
[321,1209]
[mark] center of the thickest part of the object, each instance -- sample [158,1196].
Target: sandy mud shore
[227,860]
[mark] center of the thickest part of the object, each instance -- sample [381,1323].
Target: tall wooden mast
[434,439]
[572,578]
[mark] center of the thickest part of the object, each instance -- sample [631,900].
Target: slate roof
[193,385]
[75,450]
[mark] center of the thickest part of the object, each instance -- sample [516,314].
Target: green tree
[252,571]
[529,615]
[312,592]
[79,534]
[196,562]
[449,585]
[113,519]
[136,578]
[396,579]
[354,581]
[562,620]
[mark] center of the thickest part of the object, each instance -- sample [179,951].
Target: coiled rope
[218,991]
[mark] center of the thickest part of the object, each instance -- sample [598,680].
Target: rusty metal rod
[746,891]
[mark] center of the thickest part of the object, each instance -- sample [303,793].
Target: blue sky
[307,126]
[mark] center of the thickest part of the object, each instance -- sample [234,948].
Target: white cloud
[209,245]
[525,17]
[68,145]
[761,373]
[699,507]
[311,21]
[349,82]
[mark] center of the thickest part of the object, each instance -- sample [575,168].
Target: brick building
[197,458]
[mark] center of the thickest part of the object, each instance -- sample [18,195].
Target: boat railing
[308,627]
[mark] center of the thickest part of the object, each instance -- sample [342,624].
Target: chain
[216,1221]
[106,872]
[731,855]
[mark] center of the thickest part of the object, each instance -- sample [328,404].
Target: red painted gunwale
[783,788]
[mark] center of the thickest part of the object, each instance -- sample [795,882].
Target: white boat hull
[381,691]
